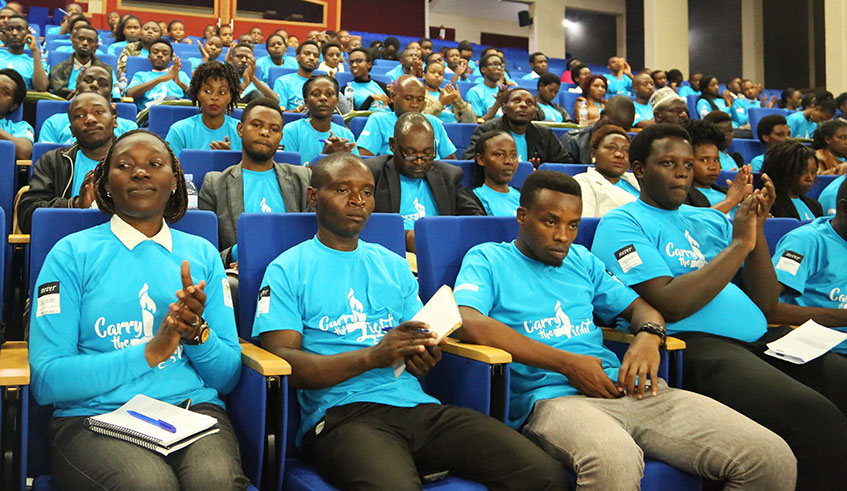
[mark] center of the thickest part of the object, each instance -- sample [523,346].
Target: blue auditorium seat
[470,168]
[748,149]
[142,64]
[163,116]
[567,100]
[570,169]
[820,184]
[200,162]
[357,124]
[692,107]
[755,114]
[775,228]
[460,134]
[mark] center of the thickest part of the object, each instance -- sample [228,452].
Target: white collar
[130,237]
[78,65]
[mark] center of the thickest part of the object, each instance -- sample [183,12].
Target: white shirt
[599,196]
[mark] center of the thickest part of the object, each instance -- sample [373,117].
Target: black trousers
[374,446]
[804,404]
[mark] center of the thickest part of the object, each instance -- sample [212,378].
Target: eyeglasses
[426,156]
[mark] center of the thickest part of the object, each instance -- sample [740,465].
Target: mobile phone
[435,476]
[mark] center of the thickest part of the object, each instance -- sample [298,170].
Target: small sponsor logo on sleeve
[466,286]
[227,292]
[627,257]
[789,262]
[264,305]
[49,299]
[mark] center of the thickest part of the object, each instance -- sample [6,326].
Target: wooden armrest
[19,238]
[14,363]
[262,361]
[413,261]
[609,334]
[127,99]
[23,163]
[478,352]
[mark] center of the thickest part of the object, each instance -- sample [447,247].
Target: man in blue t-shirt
[252,86]
[409,97]
[693,87]
[811,266]
[642,86]
[771,130]
[12,95]
[538,63]
[410,63]
[368,94]
[804,123]
[161,82]
[682,260]
[32,68]
[339,310]
[484,97]
[537,297]
[620,80]
[290,87]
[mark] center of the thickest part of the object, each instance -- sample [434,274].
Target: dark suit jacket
[540,142]
[223,193]
[445,182]
[61,73]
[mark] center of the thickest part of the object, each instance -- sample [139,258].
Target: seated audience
[12,95]
[425,45]
[681,260]
[535,143]
[182,345]
[445,103]
[350,397]
[257,184]
[668,107]
[456,65]
[275,45]
[411,182]
[660,79]
[210,50]
[214,88]
[642,87]
[830,144]
[332,59]
[771,130]
[128,31]
[160,83]
[733,86]
[409,96]
[792,99]
[290,87]
[209,31]
[674,78]
[546,100]
[747,99]
[226,34]
[72,10]
[63,77]
[804,123]
[63,177]
[809,264]
[608,183]
[538,63]
[579,73]
[466,52]
[793,168]
[619,111]
[706,140]
[292,41]
[113,18]
[57,128]
[711,98]
[389,49]
[497,162]
[176,33]
[368,94]
[593,99]
[484,95]
[693,87]
[567,388]
[567,76]
[620,81]
[32,68]
[724,123]
[257,35]
[251,86]
[316,133]
[77,24]
[150,32]
[410,64]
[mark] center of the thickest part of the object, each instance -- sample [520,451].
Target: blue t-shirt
[550,112]
[704,108]
[548,304]
[290,90]
[116,48]
[643,112]
[416,201]
[363,90]
[57,129]
[686,91]
[520,143]
[18,129]
[498,204]
[727,162]
[300,136]
[99,303]
[639,242]
[264,64]
[618,86]
[195,62]
[23,64]
[739,110]
[810,261]
[800,126]
[380,127]
[828,196]
[341,301]
[192,133]
[82,166]
[756,163]
[802,210]
[395,72]
[168,89]
[629,188]
[481,97]
[261,192]
[446,115]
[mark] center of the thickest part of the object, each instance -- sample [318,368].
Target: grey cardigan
[223,193]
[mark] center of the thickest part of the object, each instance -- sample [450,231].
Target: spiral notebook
[190,426]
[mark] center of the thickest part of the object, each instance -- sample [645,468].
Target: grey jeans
[605,440]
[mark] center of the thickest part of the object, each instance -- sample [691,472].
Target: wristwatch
[656,329]
[200,335]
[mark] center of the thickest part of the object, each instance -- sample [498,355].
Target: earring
[108,194]
[593,160]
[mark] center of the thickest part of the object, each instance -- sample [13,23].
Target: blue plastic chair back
[724,175]
[820,184]
[381,78]
[52,44]
[569,169]
[17,115]
[264,236]
[567,100]
[56,57]
[142,64]
[389,63]
[38,16]
[357,124]
[775,228]
[470,168]
[343,78]
[749,149]
[464,87]
[755,114]
[44,109]
[275,72]
[163,116]
[198,163]
[692,106]
[39,149]
[460,134]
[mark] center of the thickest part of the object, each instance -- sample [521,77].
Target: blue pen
[386,329]
[322,140]
[156,422]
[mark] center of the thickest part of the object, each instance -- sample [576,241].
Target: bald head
[412,122]
[642,85]
[409,95]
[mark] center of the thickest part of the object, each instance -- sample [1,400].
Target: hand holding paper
[442,316]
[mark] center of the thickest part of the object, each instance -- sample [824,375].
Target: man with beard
[535,143]
[64,76]
[241,57]
[290,87]
[57,128]
[30,65]
[257,184]
[410,63]
[642,86]
[161,82]
[63,178]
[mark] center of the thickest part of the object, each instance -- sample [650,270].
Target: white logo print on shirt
[420,211]
[265,207]
[356,322]
[688,258]
[148,309]
[836,296]
[557,326]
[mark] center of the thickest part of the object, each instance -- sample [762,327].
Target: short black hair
[841,99]
[548,78]
[424,40]
[264,102]
[465,46]
[321,169]
[674,75]
[547,179]
[308,43]
[91,28]
[218,30]
[483,140]
[641,145]
[484,61]
[535,55]
[108,102]
[824,131]
[392,41]
[162,41]
[576,69]
[212,69]
[826,105]
[328,45]
[704,133]
[20,86]
[768,123]
[314,78]
[243,44]
[369,57]
[716,117]
[175,21]
[268,40]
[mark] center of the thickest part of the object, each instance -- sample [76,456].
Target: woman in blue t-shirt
[793,168]
[497,162]
[711,98]
[108,326]
[128,31]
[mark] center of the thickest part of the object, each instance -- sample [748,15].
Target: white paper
[442,315]
[805,343]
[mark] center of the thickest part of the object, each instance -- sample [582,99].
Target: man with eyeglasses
[668,107]
[483,97]
[412,183]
